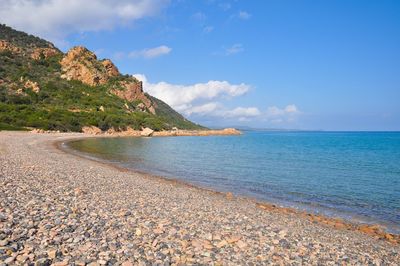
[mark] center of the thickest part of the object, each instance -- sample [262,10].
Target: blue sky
[332,65]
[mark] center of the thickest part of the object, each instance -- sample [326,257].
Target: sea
[350,175]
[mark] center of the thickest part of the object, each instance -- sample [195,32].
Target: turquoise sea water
[354,175]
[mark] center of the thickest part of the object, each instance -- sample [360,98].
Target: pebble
[9,260]
[42,262]
[59,209]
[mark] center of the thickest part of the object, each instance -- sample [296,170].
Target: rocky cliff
[132,90]
[81,64]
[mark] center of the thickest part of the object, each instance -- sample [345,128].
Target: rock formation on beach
[148,132]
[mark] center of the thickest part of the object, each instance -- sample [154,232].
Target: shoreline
[148,132]
[74,211]
[372,229]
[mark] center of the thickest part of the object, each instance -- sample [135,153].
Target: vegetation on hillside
[22,39]
[66,105]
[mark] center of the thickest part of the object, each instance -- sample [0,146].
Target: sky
[293,64]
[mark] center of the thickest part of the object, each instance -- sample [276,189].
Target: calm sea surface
[353,175]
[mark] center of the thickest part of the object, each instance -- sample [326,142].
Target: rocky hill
[43,88]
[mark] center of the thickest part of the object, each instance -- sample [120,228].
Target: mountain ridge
[41,87]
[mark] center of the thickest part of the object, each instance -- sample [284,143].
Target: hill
[41,87]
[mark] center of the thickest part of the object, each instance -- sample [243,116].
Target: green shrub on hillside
[67,105]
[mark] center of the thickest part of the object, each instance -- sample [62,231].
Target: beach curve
[58,207]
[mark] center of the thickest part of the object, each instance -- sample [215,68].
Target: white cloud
[207,100]
[234,49]
[199,98]
[181,95]
[243,112]
[244,15]
[151,52]
[274,111]
[277,115]
[216,109]
[204,109]
[55,19]
[291,109]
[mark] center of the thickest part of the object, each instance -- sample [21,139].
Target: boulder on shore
[92,130]
[146,132]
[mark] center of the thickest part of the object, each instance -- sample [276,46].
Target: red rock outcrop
[111,69]
[32,85]
[216,132]
[92,130]
[6,46]
[147,132]
[45,52]
[166,133]
[133,90]
[35,53]
[81,64]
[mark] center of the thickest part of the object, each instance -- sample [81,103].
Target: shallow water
[354,175]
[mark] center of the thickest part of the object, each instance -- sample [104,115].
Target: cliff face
[81,64]
[133,91]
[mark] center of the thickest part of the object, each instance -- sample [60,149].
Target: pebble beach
[57,208]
